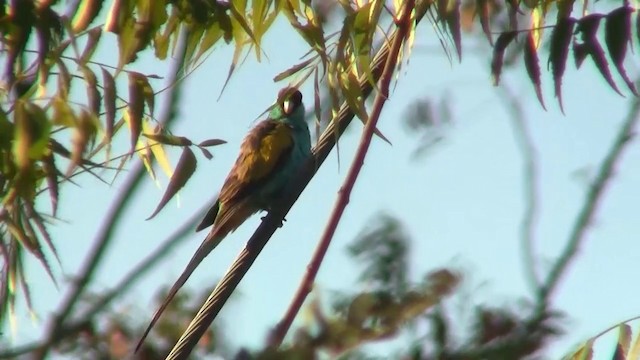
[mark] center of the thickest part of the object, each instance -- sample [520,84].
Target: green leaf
[51,175]
[109,86]
[184,170]
[135,110]
[532,64]
[84,133]
[85,14]
[293,70]
[169,139]
[32,131]
[212,142]
[93,95]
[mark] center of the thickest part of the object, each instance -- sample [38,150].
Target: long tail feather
[210,242]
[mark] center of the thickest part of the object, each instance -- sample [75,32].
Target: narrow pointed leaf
[36,218]
[184,169]
[588,27]
[64,79]
[617,37]
[109,86]
[206,153]
[212,142]
[623,343]
[85,14]
[453,24]
[498,54]
[559,52]
[51,175]
[93,38]
[293,70]
[634,351]
[135,110]
[483,8]
[532,64]
[93,95]
[169,139]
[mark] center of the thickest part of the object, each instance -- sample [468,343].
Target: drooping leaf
[559,52]
[532,64]
[293,70]
[623,343]
[64,79]
[316,103]
[584,352]
[588,27]
[212,142]
[617,36]
[483,8]
[93,95]
[498,54]
[85,14]
[32,131]
[206,153]
[51,175]
[453,24]
[168,139]
[109,86]
[92,43]
[135,110]
[84,133]
[184,169]
[155,147]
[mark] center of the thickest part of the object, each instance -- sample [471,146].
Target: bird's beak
[287,106]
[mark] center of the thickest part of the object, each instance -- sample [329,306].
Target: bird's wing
[262,153]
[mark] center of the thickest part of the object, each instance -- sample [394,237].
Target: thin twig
[594,196]
[531,182]
[404,25]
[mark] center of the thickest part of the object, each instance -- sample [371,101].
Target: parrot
[269,157]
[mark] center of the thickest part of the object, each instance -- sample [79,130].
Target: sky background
[462,202]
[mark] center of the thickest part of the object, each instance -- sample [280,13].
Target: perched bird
[269,156]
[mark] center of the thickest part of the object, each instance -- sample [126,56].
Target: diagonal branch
[266,229]
[344,193]
[593,199]
[531,184]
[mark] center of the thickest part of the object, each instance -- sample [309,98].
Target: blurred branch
[593,199]
[112,220]
[134,275]
[530,176]
[404,27]
[273,219]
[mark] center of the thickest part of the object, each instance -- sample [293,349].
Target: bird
[269,156]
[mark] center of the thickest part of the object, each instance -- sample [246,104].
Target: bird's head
[288,106]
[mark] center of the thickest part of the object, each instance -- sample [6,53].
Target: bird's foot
[281,222]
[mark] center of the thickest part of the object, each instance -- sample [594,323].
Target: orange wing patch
[260,153]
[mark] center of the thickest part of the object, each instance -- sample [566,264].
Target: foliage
[51,132]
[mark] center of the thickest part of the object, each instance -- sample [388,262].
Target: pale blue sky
[462,203]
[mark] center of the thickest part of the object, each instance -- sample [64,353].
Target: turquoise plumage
[270,155]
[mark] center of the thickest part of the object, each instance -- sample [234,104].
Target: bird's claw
[281,222]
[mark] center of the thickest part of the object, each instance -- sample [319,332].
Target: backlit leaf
[184,170]
[559,52]
[85,14]
[532,64]
[617,37]
[498,54]
[93,95]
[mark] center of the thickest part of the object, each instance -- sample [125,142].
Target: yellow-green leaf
[93,95]
[169,139]
[135,110]
[85,14]
[184,170]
